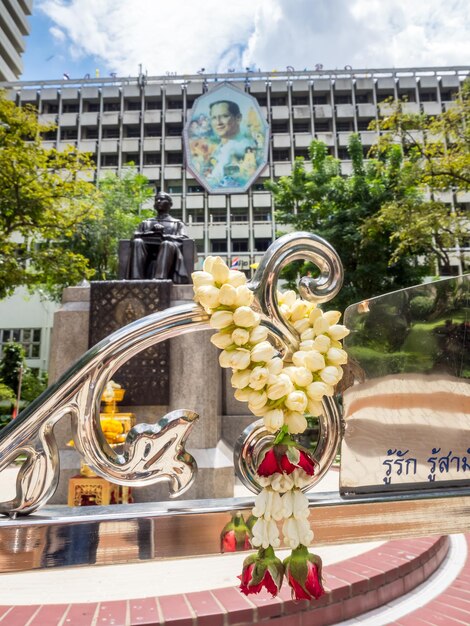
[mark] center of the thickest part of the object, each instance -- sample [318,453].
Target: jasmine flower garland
[282,395]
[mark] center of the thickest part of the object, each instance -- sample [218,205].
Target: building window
[299,100]
[407,94]
[68,134]
[344,127]
[131,157]
[239,245]
[91,107]
[29,338]
[132,131]
[320,100]
[218,215]
[343,154]
[111,106]
[70,107]
[152,105]
[261,214]
[363,98]
[322,127]
[301,152]
[174,188]
[448,96]
[363,124]
[196,216]
[50,108]
[301,126]
[343,98]
[111,132]
[90,132]
[132,105]
[239,215]
[195,189]
[428,96]
[174,130]
[262,101]
[109,160]
[152,158]
[50,135]
[152,130]
[261,245]
[218,245]
[281,155]
[174,158]
[280,127]
[278,101]
[174,104]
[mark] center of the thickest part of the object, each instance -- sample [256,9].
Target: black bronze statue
[156,250]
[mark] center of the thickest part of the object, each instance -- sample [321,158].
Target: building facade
[141,120]
[13,29]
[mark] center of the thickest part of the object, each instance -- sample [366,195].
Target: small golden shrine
[87,488]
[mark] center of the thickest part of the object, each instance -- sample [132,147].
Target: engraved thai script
[398,464]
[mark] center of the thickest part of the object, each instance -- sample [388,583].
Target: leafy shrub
[421,307]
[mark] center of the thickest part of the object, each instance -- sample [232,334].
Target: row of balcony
[321,112]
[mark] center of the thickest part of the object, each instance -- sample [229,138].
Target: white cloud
[185,35]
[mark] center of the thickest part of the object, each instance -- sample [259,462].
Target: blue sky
[78,37]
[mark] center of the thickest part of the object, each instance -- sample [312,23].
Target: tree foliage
[42,199]
[120,208]
[322,201]
[437,159]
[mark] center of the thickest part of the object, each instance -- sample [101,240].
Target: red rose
[229,542]
[260,570]
[303,573]
[247,586]
[269,465]
[235,535]
[284,459]
[307,463]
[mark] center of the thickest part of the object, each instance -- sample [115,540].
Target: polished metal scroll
[155,452]
[407,417]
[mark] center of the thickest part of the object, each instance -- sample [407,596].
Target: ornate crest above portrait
[226,140]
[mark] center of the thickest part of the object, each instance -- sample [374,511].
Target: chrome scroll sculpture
[156,452]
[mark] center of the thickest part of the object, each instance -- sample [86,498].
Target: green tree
[42,198]
[436,153]
[11,365]
[336,207]
[121,201]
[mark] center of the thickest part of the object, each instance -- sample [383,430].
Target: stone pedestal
[195,383]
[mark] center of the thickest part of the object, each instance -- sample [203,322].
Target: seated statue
[156,247]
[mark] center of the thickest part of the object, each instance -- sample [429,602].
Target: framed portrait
[226,140]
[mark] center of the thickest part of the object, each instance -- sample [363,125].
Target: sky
[107,37]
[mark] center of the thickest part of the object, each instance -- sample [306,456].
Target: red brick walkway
[355,586]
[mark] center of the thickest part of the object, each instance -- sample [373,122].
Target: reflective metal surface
[62,537]
[407,417]
[254,439]
[153,452]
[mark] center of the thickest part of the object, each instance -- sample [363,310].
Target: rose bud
[273,420]
[207,267]
[335,356]
[262,570]
[258,378]
[314,315]
[296,422]
[269,464]
[262,352]
[235,535]
[208,296]
[321,326]
[322,343]
[240,378]
[304,574]
[240,336]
